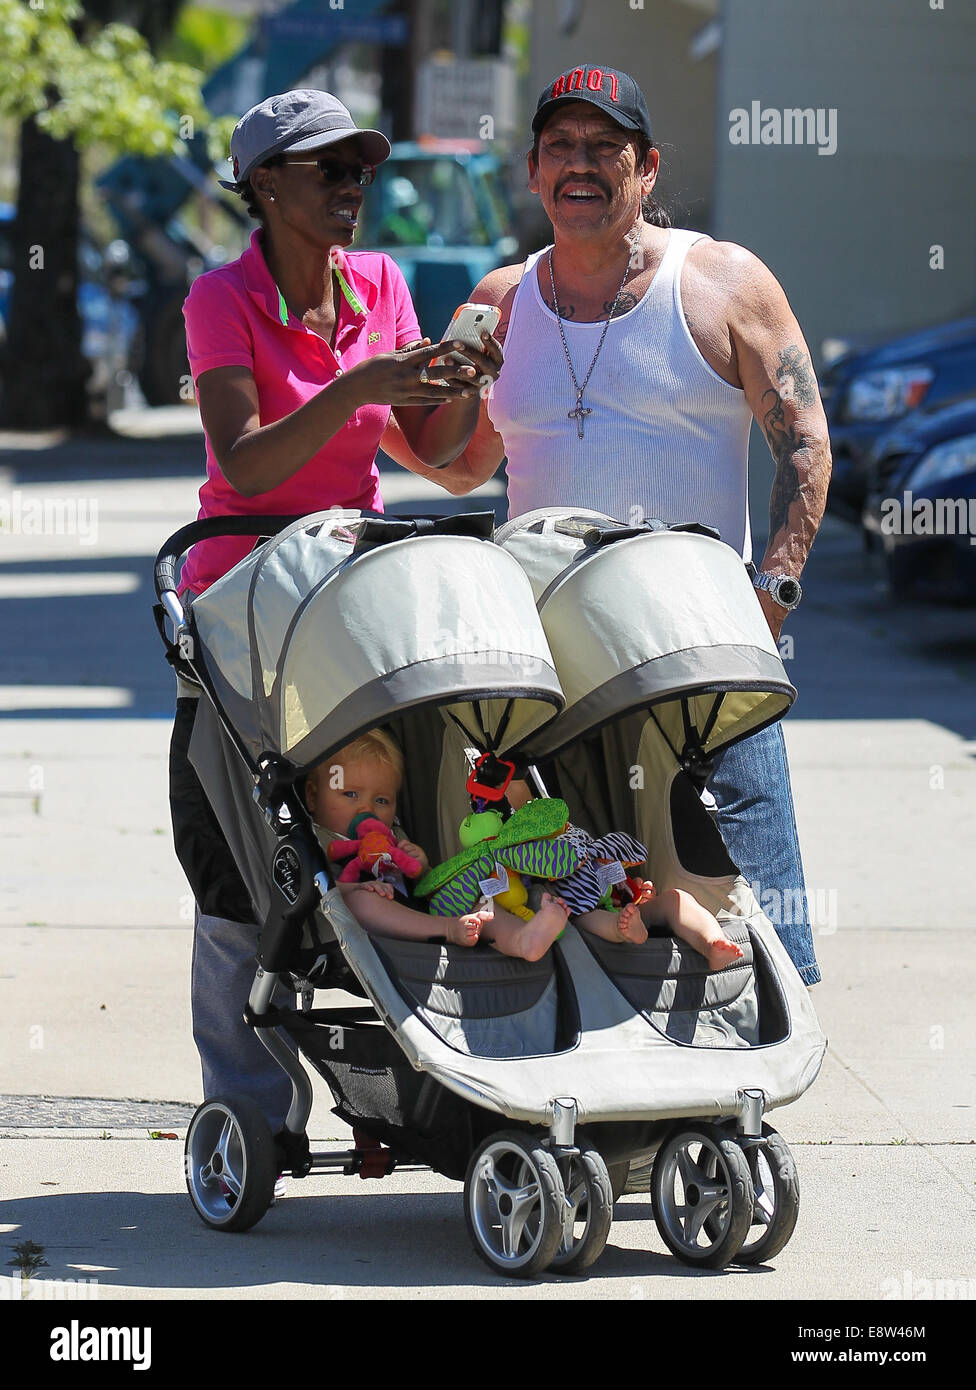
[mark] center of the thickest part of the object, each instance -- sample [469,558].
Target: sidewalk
[95,931]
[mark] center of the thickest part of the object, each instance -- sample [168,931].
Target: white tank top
[668,437]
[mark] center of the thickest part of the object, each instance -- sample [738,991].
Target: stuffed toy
[599,874]
[522,845]
[372,848]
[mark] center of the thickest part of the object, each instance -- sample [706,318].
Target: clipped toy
[372,848]
[601,871]
[522,845]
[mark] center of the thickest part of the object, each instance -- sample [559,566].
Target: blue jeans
[751,786]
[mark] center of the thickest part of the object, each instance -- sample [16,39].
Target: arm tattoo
[796,377]
[797,386]
[785,491]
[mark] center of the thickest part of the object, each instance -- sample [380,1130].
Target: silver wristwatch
[781,588]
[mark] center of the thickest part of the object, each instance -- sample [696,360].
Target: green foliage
[28,1257]
[99,88]
[206,38]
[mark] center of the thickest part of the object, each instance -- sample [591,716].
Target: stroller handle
[389,527]
[164,570]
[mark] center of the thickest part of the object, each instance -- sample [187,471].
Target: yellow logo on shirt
[373,338]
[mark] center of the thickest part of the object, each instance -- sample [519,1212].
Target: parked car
[105,294]
[441,210]
[921,503]
[870,389]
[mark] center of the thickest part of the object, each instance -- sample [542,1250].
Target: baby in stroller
[365,777]
[675,909]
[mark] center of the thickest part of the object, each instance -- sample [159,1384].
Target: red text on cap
[592,78]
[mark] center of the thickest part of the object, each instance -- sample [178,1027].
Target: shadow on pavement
[361,1240]
[83,457]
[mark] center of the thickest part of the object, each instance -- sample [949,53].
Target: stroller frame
[739,1168]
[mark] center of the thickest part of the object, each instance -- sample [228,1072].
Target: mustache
[595,183]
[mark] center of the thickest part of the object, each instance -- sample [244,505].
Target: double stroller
[609,664]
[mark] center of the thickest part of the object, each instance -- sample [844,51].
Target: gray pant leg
[232,1058]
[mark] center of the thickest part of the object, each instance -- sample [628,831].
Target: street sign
[392,30]
[469,99]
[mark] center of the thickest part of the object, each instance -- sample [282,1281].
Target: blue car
[871,389]
[921,503]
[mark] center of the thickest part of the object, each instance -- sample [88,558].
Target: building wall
[651,43]
[849,234]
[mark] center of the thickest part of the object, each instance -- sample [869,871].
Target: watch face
[788,592]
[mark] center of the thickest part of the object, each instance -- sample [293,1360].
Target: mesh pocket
[377,1091]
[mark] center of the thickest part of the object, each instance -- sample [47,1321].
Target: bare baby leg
[626,925]
[685,918]
[527,940]
[376,910]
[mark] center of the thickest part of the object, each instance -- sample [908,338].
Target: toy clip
[489,779]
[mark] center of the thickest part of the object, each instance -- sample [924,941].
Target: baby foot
[465,931]
[721,953]
[540,932]
[630,924]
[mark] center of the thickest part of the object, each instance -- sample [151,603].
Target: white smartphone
[467,326]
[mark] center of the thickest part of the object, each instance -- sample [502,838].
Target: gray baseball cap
[304,119]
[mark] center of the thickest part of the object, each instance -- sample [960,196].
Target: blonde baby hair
[375,746]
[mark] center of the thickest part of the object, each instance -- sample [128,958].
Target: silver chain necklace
[582,411]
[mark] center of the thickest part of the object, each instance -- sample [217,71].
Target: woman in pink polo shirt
[299,351]
[299,354]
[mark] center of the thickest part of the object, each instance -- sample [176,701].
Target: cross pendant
[578,414]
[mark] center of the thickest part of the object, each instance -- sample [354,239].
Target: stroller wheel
[776,1198]
[588,1213]
[514,1204]
[230,1163]
[703,1195]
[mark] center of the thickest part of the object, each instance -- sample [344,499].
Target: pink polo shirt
[233,318]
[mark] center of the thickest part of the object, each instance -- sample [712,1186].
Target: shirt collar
[263,290]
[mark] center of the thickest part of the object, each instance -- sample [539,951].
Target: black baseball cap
[611,90]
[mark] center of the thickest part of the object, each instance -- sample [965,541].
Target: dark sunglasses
[334,171]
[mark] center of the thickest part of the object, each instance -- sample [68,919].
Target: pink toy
[373,848]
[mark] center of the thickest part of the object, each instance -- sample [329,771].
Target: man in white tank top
[636,357]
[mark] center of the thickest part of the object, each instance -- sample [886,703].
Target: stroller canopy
[342,622]
[655,619]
